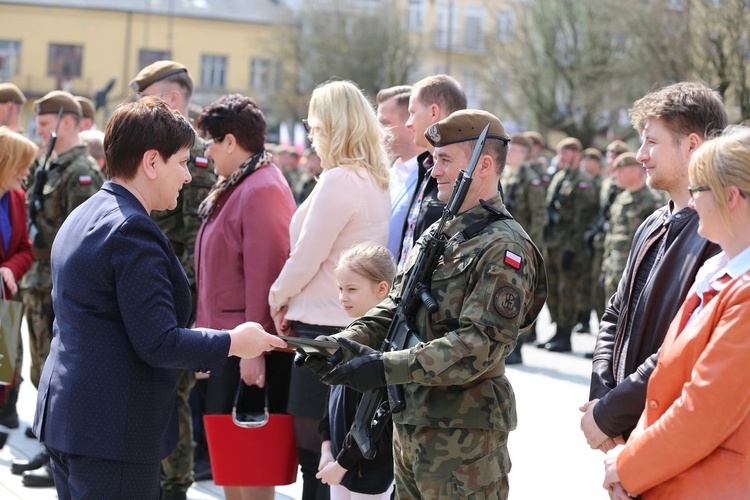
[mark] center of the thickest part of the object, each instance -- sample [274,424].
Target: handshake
[363,373]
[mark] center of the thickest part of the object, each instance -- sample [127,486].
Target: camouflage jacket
[72,178]
[181,224]
[627,212]
[523,195]
[484,300]
[577,203]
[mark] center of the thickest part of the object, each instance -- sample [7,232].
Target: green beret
[520,140]
[9,92]
[56,100]
[570,143]
[534,137]
[626,160]
[617,146]
[154,73]
[592,153]
[87,107]
[465,125]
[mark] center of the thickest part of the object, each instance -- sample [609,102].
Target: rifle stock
[375,409]
[40,179]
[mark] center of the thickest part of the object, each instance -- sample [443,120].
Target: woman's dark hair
[137,127]
[237,115]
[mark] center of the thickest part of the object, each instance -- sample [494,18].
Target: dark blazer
[431,209]
[19,256]
[122,304]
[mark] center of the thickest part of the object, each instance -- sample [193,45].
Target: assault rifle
[375,409]
[40,179]
[601,224]
[553,213]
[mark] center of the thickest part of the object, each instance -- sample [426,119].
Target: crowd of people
[159,261]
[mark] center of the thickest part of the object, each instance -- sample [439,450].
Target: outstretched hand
[363,373]
[249,340]
[320,365]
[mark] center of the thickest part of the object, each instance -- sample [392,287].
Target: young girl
[364,274]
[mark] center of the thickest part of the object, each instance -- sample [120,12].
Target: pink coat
[693,438]
[241,249]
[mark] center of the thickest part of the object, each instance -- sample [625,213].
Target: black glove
[320,365]
[363,373]
[567,260]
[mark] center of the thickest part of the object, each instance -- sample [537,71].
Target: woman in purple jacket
[240,250]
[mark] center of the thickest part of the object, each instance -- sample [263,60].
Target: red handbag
[251,450]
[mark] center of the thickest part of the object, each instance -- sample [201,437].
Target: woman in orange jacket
[693,438]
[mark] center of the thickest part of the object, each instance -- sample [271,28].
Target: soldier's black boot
[560,342]
[583,322]
[514,358]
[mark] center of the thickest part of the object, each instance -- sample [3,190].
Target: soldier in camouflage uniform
[67,180]
[451,439]
[535,160]
[171,81]
[572,205]
[591,164]
[629,209]
[523,195]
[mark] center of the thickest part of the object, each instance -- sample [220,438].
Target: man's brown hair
[685,107]
[443,90]
[400,92]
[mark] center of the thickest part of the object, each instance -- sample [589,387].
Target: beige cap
[56,100]
[465,125]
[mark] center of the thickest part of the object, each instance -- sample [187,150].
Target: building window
[678,5]
[474,28]
[444,36]
[10,58]
[65,61]
[213,71]
[472,84]
[264,74]
[146,57]
[505,24]
[415,14]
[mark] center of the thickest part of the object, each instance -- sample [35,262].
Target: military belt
[497,371]
[42,253]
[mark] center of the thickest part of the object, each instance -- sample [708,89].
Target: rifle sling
[494,215]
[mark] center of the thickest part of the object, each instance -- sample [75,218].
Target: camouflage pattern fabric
[523,195]
[177,468]
[541,168]
[598,294]
[488,289]
[182,223]
[578,205]
[628,211]
[433,463]
[73,177]
[181,226]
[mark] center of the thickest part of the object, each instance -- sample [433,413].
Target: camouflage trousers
[39,318]
[177,468]
[450,463]
[563,286]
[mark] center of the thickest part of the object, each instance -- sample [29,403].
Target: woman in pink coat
[693,438]
[240,250]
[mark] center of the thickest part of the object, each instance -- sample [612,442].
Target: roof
[250,11]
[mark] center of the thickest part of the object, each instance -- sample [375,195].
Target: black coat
[622,401]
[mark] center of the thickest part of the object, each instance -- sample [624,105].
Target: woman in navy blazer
[106,406]
[16,155]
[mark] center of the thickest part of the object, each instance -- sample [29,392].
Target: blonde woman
[349,205]
[16,155]
[692,440]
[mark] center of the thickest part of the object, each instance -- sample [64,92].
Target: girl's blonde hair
[371,261]
[16,154]
[346,131]
[723,162]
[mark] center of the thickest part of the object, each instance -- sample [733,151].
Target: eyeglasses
[697,189]
[306,125]
[210,141]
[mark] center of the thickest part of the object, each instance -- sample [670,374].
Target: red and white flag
[513,260]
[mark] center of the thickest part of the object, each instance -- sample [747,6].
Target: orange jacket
[693,438]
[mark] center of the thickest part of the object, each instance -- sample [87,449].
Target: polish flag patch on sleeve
[513,260]
[201,161]
[84,180]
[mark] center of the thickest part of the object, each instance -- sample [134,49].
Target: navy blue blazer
[122,304]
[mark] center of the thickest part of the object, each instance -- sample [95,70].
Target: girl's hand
[9,280]
[332,473]
[326,456]
[253,371]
